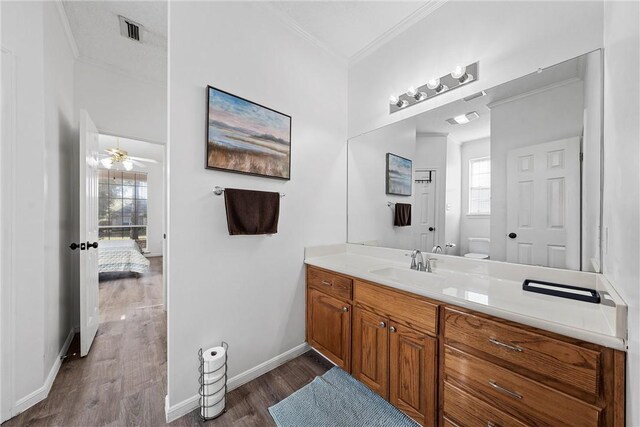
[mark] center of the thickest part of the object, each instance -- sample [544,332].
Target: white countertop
[490,287]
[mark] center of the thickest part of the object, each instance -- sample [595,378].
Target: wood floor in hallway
[122,382]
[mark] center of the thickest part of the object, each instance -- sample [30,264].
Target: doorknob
[93,245]
[431,228]
[512,235]
[74,246]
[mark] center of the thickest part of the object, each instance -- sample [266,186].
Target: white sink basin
[406,275]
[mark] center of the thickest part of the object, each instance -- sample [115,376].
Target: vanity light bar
[460,76]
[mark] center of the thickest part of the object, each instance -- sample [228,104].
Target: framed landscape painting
[399,174]
[245,137]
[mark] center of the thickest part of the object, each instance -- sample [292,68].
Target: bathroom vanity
[465,345]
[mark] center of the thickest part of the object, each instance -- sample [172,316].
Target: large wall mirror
[512,173]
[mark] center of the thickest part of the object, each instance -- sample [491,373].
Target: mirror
[512,173]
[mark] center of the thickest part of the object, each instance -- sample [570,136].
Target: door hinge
[582,157]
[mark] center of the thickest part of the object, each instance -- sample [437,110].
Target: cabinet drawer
[329,283]
[466,410]
[416,312]
[535,403]
[557,360]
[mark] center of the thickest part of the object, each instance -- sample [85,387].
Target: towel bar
[219,190]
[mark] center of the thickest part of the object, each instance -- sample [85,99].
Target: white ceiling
[96,30]
[348,27]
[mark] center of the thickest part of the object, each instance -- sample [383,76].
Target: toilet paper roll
[210,400]
[214,410]
[214,387]
[214,359]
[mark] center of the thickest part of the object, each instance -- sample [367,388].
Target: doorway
[425,233]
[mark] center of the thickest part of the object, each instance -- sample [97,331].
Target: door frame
[165,204]
[7,284]
[436,217]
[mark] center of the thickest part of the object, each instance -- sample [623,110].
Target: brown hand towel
[403,215]
[251,212]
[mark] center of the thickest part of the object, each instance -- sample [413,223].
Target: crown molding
[291,23]
[546,88]
[117,70]
[422,12]
[64,20]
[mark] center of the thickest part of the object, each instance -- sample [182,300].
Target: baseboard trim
[183,408]
[40,394]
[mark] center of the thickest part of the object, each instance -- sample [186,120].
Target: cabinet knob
[392,329]
[382,324]
[345,309]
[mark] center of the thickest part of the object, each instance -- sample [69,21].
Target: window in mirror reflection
[480,186]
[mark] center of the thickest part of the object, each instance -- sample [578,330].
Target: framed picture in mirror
[398,175]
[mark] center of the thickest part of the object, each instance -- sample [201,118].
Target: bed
[121,255]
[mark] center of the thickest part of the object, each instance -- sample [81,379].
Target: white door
[425,228]
[89,315]
[543,204]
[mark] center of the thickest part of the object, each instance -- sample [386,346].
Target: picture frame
[399,174]
[246,137]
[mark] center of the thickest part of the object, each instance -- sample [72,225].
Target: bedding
[121,255]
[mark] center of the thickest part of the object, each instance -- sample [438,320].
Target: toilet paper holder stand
[201,381]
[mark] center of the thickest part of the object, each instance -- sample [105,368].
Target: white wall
[42,204]
[621,193]
[246,290]
[120,104]
[60,186]
[370,219]
[452,208]
[510,39]
[472,225]
[541,117]
[591,148]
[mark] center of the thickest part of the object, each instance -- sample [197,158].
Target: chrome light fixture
[413,93]
[461,75]
[399,103]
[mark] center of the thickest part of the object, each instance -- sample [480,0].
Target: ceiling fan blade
[137,163]
[143,159]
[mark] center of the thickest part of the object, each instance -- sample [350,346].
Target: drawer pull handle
[490,424]
[504,345]
[504,390]
[324,282]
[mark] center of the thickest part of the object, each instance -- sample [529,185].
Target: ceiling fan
[119,159]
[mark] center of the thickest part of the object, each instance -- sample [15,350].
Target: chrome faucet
[421,265]
[437,249]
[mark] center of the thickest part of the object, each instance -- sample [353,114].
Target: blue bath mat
[337,399]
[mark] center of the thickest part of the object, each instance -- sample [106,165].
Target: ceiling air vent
[130,29]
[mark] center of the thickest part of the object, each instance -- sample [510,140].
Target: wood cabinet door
[370,363]
[329,328]
[412,373]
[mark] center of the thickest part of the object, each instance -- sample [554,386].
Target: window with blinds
[123,206]
[480,186]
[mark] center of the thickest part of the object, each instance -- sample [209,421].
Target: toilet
[478,248]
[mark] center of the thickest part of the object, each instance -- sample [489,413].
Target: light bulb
[434,83]
[459,71]
[393,100]
[127,164]
[411,91]
[107,163]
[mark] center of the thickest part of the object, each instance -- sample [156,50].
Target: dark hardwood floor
[122,382]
